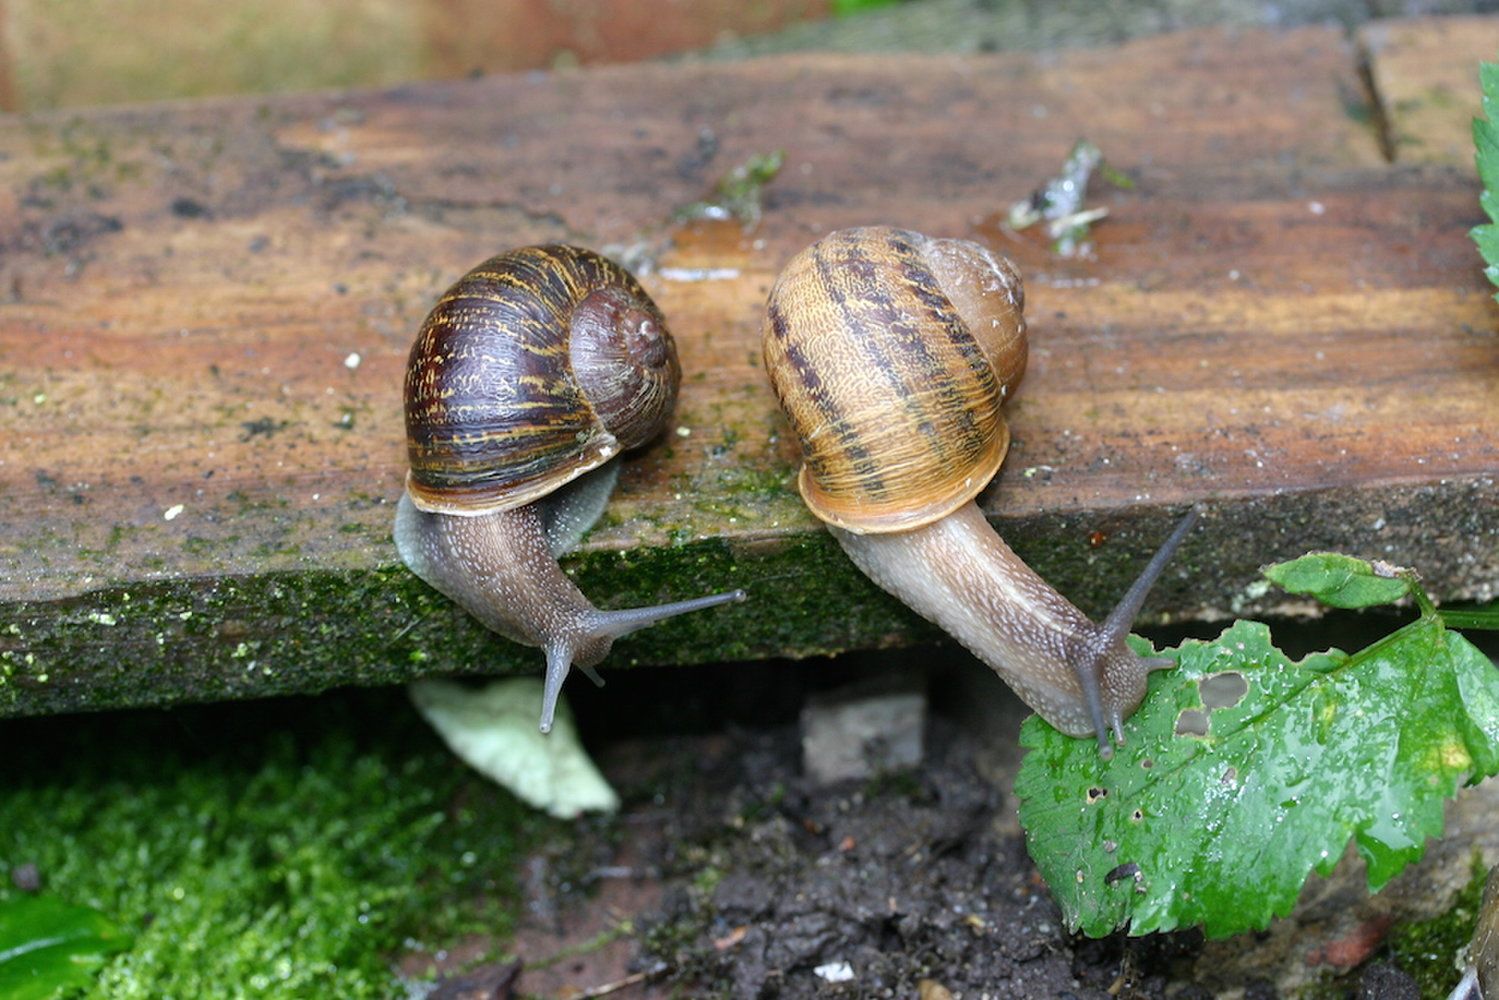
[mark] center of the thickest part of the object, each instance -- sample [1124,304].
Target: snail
[524,384]
[890,353]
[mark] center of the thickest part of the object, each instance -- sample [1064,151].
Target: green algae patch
[227,638]
[277,849]
[222,638]
[1427,949]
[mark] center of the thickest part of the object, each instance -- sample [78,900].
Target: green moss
[212,638]
[209,639]
[1427,949]
[706,880]
[279,849]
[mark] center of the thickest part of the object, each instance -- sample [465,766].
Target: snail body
[891,353]
[526,381]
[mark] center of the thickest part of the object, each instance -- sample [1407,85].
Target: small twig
[611,871]
[619,984]
[408,627]
[621,927]
[1059,227]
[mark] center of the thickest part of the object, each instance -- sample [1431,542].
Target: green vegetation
[1486,146]
[227,637]
[845,8]
[738,193]
[289,848]
[1338,581]
[47,945]
[1245,771]
[1425,948]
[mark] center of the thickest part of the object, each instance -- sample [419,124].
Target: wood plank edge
[210,639]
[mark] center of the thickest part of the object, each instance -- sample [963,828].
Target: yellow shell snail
[891,353]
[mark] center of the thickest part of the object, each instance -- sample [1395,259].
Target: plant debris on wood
[1059,202]
[738,193]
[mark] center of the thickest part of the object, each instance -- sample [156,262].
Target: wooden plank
[1425,71]
[205,311]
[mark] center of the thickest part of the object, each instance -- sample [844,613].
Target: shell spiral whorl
[514,384]
[891,353]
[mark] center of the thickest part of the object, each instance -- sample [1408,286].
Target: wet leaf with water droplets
[1319,751]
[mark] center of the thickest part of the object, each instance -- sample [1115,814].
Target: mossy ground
[282,849]
[1426,948]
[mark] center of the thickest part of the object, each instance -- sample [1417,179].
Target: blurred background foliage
[71,53]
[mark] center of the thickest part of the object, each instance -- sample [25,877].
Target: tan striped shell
[891,353]
[537,366]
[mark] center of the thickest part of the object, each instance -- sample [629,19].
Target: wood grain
[1426,74]
[205,311]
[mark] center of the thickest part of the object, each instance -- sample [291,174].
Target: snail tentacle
[524,384]
[499,567]
[1110,654]
[1117,625]
[891,353]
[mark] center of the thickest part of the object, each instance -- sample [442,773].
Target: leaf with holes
[1245,771]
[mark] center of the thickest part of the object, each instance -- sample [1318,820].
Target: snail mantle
[206,308]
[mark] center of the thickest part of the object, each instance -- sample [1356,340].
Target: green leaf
[844,8]
[1487,238]
[1486,151]
[47,945]
[1244,772]
[1337,580]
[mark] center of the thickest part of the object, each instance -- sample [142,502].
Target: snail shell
[537,366]
[891,353]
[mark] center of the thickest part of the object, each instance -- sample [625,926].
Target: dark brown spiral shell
[537,366]
[891,353]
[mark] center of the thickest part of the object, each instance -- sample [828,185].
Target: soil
[772,888]
[879,884]
[730,874]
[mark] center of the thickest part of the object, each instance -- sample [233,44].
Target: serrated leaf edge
[1486,160]
[1323,866]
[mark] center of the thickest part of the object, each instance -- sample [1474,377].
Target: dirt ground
[729,873]
[753,883]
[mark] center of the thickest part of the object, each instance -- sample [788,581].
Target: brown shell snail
[891,353]
[526,381]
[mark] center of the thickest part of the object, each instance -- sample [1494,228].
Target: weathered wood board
[1425,73]
[205,311]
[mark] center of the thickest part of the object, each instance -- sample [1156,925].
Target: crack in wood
[1379,115]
